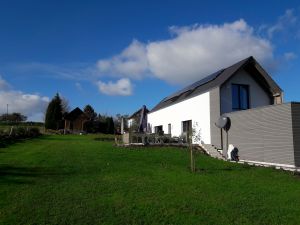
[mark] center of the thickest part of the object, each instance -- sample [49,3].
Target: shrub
[20,132]
[2,133]
[34,132]
[15,133]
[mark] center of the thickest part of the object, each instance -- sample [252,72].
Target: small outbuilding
[74,121]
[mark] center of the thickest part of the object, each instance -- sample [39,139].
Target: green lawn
[77,180]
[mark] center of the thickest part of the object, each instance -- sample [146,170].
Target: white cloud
[190,54]
[78,86]
[3,84]
[201,50]
[31,105]
[289,56]
[283,23]
[67,71]
[131,62]
[121,87]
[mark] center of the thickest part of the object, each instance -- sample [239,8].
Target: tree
[13,117]
[18,117]
[65,105]
[194,137]
[90,112]
[110,127]
[53,119]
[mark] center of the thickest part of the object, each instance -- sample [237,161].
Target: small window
[240,97]
[169,128]
[186,129]
[158,129]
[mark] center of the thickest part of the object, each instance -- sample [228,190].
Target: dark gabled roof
[217,79]
[138,112]
[75,113]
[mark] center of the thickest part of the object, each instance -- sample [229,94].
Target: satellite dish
[223,122]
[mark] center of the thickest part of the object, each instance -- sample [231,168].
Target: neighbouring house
[74,121]
[263,128]
[134,121]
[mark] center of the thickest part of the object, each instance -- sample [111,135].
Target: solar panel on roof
[194,85]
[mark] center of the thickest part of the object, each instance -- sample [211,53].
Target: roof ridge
[205,81]
[214,76]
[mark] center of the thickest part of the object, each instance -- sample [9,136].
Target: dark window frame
[186,129]
[186,126]
[246,87]
[158,129]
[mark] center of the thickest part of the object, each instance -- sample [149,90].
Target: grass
[77,180]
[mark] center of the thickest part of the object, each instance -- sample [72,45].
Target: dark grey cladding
[215,111]
[218,78]
[266,134]
[296,131]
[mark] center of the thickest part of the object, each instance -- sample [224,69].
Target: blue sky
[119,55]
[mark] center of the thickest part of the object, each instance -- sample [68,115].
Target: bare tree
[90,112]
[65,105]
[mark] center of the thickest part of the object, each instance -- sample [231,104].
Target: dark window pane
[244,97]
[158,129]
[235,97]
[186,126]
[240,97]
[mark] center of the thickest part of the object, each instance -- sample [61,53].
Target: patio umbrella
[143,120]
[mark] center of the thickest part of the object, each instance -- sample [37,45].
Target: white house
[261,126]
[244,85]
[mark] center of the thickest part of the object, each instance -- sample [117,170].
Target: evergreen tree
[53,119]
[110,127]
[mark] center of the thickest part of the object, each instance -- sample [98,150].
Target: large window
[240,97]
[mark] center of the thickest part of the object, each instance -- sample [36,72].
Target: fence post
[11,130]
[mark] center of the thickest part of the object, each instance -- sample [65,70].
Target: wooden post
[11,130]
[191,136]
[192,159]
[192,154]
[65,126]
[226,142]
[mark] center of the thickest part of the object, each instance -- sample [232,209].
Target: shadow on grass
[4,143]
[7,142]
[27,175]
[59,137]
[224,169]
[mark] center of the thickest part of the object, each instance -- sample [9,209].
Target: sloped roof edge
[214,80]
[138,111]
[74,114]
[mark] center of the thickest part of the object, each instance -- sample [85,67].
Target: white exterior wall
[196,109]
[129,123]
